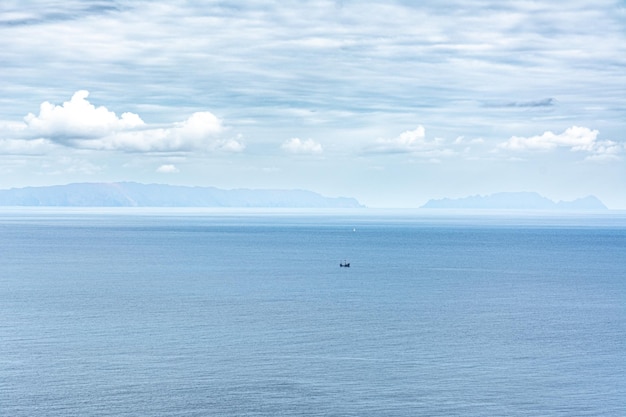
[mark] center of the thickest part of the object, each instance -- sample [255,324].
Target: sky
[390,102]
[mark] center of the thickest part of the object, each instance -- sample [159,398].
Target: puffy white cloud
[410,138]
[167,169]
[607,151]
[78,118]
[200,131]
[79,124]
[410,141]
[199,126]
[229,145]
[299,146]
[576,138]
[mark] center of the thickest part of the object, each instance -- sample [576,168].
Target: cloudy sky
[390,102]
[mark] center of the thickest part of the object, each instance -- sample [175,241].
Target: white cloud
[76,119]
[410,141]
[79,124]
[299,146]
[575,138]
[199,126]
[607,151]
[461,140]
[167,169]
[229,145]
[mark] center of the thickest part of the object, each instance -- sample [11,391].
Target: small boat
[344,264]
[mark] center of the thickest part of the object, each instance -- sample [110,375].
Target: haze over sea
[247,313]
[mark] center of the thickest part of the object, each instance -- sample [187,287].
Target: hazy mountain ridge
[132,194]
[516,201]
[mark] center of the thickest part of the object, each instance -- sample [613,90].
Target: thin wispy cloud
[545,102]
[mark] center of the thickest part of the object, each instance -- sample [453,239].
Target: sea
[199,312]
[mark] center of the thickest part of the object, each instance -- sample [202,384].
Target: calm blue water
[249,314]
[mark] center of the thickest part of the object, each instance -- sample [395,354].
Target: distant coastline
[132,194]
[516,201]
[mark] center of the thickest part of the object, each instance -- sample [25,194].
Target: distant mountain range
[132,194]
[516,201]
